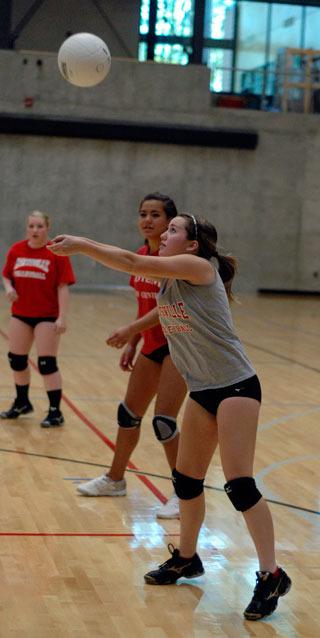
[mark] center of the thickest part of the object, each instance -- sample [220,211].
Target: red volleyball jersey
[36,274]
[146,294]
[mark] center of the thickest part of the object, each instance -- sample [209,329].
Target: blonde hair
[43,216]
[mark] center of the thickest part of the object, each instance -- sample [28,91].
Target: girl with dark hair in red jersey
[152,374]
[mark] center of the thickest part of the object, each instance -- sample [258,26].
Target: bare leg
[198,441]
[171,392]
[142,387]
[47,342]
[237,423]
[260,525]
[20,342]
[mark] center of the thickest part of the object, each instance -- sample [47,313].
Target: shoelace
[262,587]
[171,561]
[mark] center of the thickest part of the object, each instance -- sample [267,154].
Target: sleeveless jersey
[146,293]
[196,319]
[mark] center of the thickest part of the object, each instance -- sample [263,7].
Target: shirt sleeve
[7,270]
[65,274]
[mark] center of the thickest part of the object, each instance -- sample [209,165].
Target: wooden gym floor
[73,566]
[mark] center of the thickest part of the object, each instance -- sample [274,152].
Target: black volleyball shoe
[53,419]
[266,594]
[174,568]
[17,410]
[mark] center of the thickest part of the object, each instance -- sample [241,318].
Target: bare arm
[10,292]
[186,266]
[119,339]
[129,333]
[63,301]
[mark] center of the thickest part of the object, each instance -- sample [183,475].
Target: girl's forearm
[116,258]
[7,284]
[149,320]
[63,300]
[134,339]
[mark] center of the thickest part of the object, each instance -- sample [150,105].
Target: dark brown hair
[206,235]
[169,206]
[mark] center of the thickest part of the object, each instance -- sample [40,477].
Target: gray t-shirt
[197,322]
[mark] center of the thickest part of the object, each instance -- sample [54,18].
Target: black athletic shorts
[210,399]
[158,354]
[33,321]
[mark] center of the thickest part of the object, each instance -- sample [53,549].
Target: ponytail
[227,270]
[206,235]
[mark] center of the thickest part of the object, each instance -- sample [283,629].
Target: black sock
[22,394]
[183,559]
[54,397]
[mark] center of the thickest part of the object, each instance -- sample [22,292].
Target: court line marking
[64,534]
[153,489]
[278,464]
[281,356]
[287,417]
[287,328]
[131,465]
[81,534]
[160,476]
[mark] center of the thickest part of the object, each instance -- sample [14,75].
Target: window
[312,28]
[143,51]
[144,17]
[172,53]
[220,63]
[175,17]
[241,41]
[285,28]
[219,19]
[172,30]
[251,46]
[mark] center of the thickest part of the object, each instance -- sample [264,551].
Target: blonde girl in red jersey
[152,373]
[36,284]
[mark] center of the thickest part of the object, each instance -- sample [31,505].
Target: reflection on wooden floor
[73,566]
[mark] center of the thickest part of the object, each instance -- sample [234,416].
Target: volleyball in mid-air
[84,59]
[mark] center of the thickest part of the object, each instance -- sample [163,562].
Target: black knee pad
[243,493]
[165,427]
[126,418]
[186,487]
[18,362]
[47,365]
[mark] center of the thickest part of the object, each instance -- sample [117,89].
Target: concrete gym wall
[263,202]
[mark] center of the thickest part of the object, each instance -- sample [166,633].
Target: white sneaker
[103,486]
[170,509]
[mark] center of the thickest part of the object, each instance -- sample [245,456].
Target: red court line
[84,534]
[105,439]
[110,444]
[60,534]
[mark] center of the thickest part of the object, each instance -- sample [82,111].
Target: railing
[292,83]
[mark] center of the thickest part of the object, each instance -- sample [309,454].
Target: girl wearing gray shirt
[224,400]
